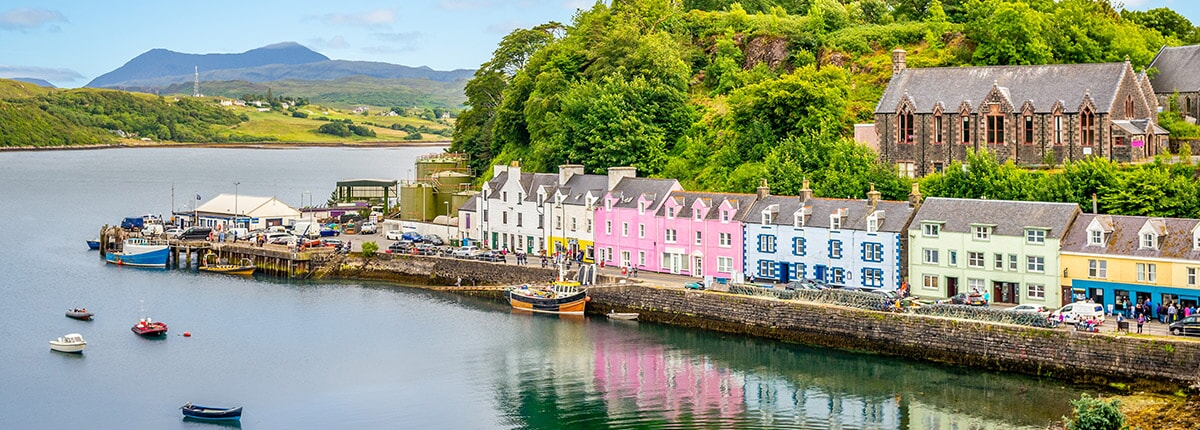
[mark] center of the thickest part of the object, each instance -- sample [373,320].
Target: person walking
[1141,319]
[1172,312]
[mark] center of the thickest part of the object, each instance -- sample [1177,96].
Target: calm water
[366,356]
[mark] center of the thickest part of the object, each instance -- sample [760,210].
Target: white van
[1079,311]
[305,228]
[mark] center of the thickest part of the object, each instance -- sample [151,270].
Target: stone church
[1032,115]
[1177,66]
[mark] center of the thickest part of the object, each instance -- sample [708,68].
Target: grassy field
[287,128]
[10,89]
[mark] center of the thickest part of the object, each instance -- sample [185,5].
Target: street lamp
[235,203]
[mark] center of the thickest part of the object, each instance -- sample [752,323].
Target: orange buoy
[587,299]
[187,334]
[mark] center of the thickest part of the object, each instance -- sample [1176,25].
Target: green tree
[1007,33]
[1165,21]
[335,128]
[369,249]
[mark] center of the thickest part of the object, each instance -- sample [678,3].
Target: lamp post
[309,202]
[235,203]
[447,220]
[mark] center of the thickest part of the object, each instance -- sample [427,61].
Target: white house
[250,212]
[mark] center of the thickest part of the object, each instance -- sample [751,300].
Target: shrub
[369,249]
[1096,414]
[299,114]
[335,128]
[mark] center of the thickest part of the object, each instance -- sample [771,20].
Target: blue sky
[70,42]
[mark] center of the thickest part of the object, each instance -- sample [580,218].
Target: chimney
[1095,204]
[806,194]
[873,196]
[566,171]
[763,189]
[497,169]
[899,62]
[914,197]
[615,174]
[514,170]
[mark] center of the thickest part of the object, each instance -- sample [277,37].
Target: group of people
[1166,313]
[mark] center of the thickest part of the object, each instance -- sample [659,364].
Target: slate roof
[742,202]
[577,187]
[1177,66]
[895,213]
[1010,218]
[1041,85]
[470,204]
[1123,240]
[628,190]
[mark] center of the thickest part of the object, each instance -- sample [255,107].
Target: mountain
[36,81]
[157,63]
[282,61]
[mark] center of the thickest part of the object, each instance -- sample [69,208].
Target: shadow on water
[199,423]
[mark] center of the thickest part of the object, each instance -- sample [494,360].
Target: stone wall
[438,271]
[1143,363]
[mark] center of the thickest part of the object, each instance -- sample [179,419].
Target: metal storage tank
[417,202]
[451,181]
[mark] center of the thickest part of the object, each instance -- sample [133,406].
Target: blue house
[839,241]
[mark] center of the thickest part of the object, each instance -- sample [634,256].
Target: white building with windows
[251,212]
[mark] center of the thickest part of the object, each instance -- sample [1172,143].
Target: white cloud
[27,19]
[375,18]
[53,75]
[394,42]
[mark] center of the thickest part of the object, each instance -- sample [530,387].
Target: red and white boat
[146,327]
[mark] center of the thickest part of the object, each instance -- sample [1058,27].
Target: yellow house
[1117,260]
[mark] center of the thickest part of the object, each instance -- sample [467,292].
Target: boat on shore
[211,265]
[146,327]
[70,343]
[560,297]
[79,314]
[138,251]
[211,413]
[624,316]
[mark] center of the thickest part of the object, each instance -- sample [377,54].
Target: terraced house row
[1018,252]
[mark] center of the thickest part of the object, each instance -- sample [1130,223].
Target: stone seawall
[1142,363]
[433,271]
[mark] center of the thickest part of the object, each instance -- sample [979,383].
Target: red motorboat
[145,327]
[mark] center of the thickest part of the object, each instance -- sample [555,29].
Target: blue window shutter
[863,252]
[863,277]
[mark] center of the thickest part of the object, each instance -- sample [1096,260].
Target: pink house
[701,234]
[627,231]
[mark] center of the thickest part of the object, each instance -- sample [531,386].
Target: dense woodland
[719,94]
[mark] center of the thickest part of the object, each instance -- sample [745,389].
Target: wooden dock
[278,260]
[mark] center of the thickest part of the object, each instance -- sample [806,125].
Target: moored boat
[80,313]
[625,316]
[560,297]
[93,244]
[245,269]
[146,327]
[211,413]
[137,251]
[70,343]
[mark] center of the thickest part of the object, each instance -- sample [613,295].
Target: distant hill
[36,81]
[157,63]
[346,92]
[316,71]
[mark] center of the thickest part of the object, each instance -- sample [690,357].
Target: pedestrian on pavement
[1172,312]
[635,271]
[1141,319]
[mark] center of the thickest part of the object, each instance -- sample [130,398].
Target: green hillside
[721,95]
[346,92]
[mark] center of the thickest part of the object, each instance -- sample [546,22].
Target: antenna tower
[196,83]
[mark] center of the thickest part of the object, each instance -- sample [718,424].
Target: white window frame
[1191,276]
[641,231]
[981,232]
[930,282]
[671,235]
[725,264]
[1098,269]
[976,285]
[1035,264]
[1035,236]
[1148,241]
[975,260]
[930,256]
[931,229]
[608,227]
[1035,291]
[835,249]
[835,222]
[725,240]
[1095,237]
[624,229]
[998,261]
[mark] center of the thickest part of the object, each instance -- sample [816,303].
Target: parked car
[888,294]
[277,237]
[193,233]
[400,247]
[693,286]
[425,249]
[411,235]
[393,234]
[336,244]
[976,299]
[329,232]
[349,229]
[173,232]
[1038,309]
[368,228]
[433,239]
[1188,326]
[1079,311]
[465,252]
[806,284]
[493,256]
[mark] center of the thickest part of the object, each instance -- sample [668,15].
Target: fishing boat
[79,314]
[246,268]
[146,327]
[70,343]
[137,251]
[211,413]
[93,244]
[560,297]
[624,316]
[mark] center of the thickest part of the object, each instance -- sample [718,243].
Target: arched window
[1128,107]
[995,127]
[1087,127]
[1058,128]
[905,129]
[937,128]
[1028,124]
[966,128]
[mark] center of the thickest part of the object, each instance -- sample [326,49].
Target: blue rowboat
[211,413]
[93,244]
[137,251]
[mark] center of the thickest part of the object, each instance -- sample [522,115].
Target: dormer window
[670,213]
[1035,236]
[1149,241]
[1095,237]
[641,208]
[835,222]
[607,205]
[766,217]
[724,216]
[930,230]
[798,219]
[873,221]
[696,214]
[982,232]
[1196,240]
